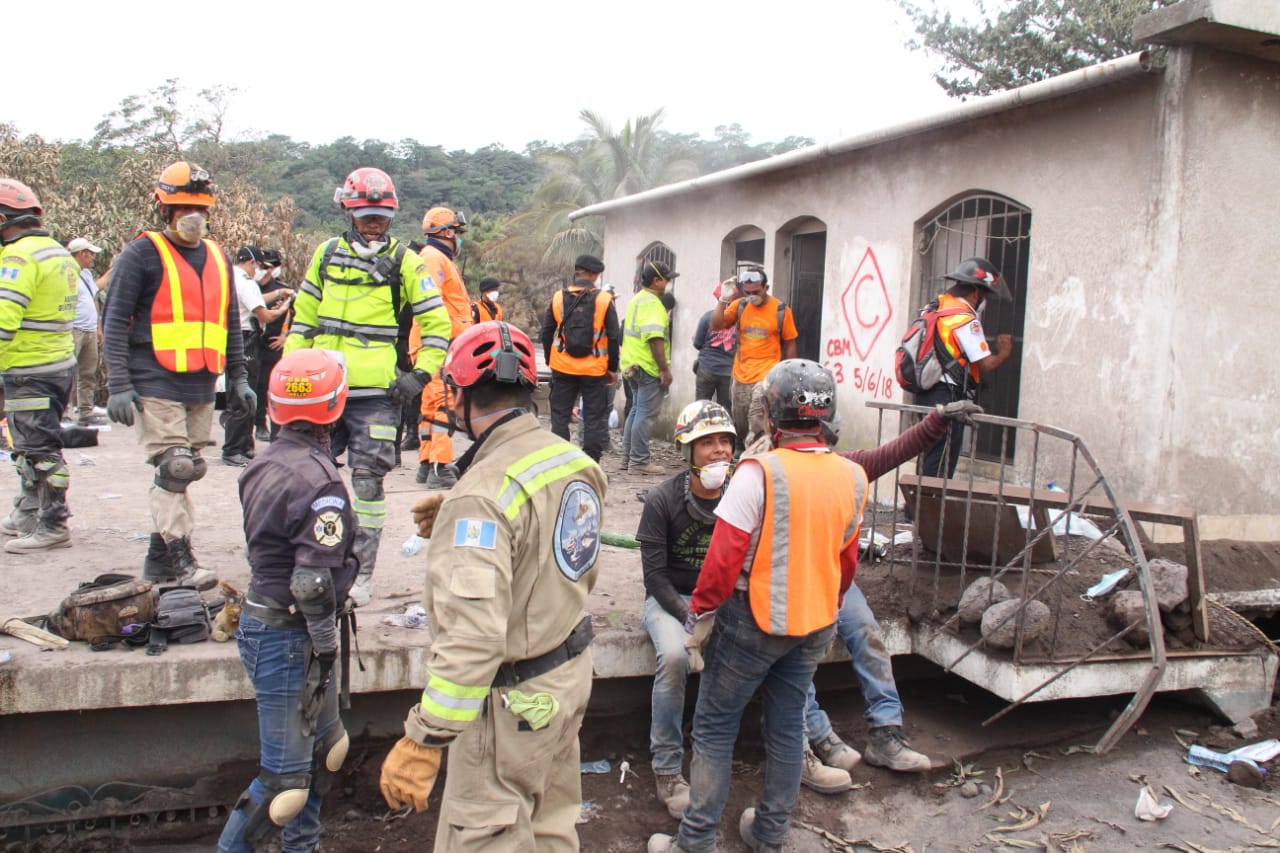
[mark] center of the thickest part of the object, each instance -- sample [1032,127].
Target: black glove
[961,410]
[408,387]
[242,396]
[121,404]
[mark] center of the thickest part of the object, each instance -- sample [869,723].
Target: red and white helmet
[17,198]
[367,191]
[307,385]
[491,350]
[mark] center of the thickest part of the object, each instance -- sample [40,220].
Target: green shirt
[646,319]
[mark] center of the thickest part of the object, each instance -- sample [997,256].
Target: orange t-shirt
[759,344]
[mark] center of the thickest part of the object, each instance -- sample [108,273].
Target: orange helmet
[184,183]
[440,219]
[307,385]
[367,187]
[17,197]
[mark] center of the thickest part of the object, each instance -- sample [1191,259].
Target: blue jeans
[741,658]
[666,731]
[646,395]
[276,661]
[872,666]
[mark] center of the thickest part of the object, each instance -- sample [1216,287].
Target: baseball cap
[590,263]
[249,253]
[656,269]
[270,258]
[79,244]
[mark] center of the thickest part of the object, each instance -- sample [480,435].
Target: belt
[511,674]
[273,616]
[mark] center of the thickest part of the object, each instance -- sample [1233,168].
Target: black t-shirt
[276,326]
[674,542]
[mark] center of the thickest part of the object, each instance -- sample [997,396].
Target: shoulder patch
[9,273]
[328,529]
[475,533]
[328,501]
[577,534]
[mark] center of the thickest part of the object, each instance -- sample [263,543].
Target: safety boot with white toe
[746,831]
[19,522]
[836,753]
[821,778]
[45,537]
[887,747]
[673,792]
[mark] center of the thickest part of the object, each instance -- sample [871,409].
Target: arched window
[656,251]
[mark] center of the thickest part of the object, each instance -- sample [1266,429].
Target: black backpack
[577,328]
[181,617]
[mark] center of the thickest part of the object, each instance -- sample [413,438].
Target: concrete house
[1132,207]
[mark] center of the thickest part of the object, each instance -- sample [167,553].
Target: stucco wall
[1123,340]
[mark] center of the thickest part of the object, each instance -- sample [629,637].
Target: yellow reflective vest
[38,280]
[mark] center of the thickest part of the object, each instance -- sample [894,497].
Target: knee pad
[176,469]
[285,797]
[330,753]
[198,466]
[366,485]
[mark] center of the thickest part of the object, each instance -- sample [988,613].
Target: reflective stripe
[42,326]
[781,545]
[189,318]
[537,471]
[7,334]
[344,329]
[371,514]
[311,290]
[26,404]
[14,296]
[635,331]
[382,432]
[429,304]
[301,329]
[433,341]
[60,478]
[49,252]
[445,700]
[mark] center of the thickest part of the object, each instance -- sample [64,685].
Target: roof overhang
[1251,27]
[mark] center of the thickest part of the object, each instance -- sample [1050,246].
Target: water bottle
[411,546]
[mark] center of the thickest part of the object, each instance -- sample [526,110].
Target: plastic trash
[414,616]
[411,546]
[1263,750]
[86,459]
[1205,757]
[625,767]
[1148,809]
[5,657]
[4,456]
[1105,586]
[613,419]
[110,496]
[601,766]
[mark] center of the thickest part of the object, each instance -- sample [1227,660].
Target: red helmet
[184,183]
[492,350]
[17,197]
[307,385]
[439,219]
[367,187]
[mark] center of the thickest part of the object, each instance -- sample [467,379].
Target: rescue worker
[38,282]
[646,364]
[509,673]
[443,230]
[580,368]
[783,552]
[486,308]
[87,333]
[172,325]
[968,357]
[299,530]
[271,339]
[255,314]
[766,334]
[350,302]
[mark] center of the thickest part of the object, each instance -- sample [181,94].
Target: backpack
[404,313]
[577,329]
[101,609]
[181,617]
[917,362]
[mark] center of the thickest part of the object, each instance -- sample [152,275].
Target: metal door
[808,265]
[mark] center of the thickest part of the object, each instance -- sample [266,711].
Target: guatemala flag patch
[474,533]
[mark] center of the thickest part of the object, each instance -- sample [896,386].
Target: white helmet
[700,418]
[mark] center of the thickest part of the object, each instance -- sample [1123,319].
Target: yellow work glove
[424,513]
[408,774]
[698,631]
[537,710]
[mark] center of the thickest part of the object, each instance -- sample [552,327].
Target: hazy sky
[476,73]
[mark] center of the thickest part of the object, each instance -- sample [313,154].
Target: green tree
[1027,41]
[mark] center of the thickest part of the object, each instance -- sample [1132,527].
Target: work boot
[262,434]
[362,590]
[821,778]
[887,747]
[19,521]
[184,568]
[746,831]
[441,477]
[673,791]
[410,441]
[424,471]
[648,468]
[155,566]
[44,537]
[836,753]
[660,842]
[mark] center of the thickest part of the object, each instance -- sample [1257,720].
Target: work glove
[121,404]
[961,410]
[242,396]
[408,387]
[697,628]
[424,513]
[728,290]
[408,774]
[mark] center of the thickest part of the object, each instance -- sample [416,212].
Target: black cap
[270,258]
[489,283]
[590,263]
[656,269]
[249,253]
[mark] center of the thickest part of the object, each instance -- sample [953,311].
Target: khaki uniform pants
[514,791]
[86,349]
[165,424]
[748,411]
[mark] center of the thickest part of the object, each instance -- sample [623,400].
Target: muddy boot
[673,792]
[836,753]
[746,831]
[155,566]
[186,571]
[361,591]
[45,537]
[660,842]
[821,778]
[441,477]
[887,747]
[20,521]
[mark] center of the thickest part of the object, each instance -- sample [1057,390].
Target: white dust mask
[713,476]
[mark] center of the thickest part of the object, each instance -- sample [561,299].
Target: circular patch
[577,534]
[297,386]
[328,529]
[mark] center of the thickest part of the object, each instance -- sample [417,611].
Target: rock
[1034,622]
[1169,581]
[980,595]
[969,790]
[1126,607]
[1246,728]
[1244,774]
[1114,545]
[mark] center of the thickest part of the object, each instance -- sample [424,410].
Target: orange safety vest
[481,314]
[812,501]
[947,333]
[189,314]
[596,364]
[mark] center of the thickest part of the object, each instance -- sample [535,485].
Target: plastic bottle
[601,766]
[412,545]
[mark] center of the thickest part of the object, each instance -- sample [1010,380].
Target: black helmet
[800,396]
[979,272]
[271,258]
